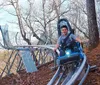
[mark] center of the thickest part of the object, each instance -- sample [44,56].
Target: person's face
[64,31]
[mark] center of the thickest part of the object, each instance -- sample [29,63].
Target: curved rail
[78,73]
[72,75]
[40,54]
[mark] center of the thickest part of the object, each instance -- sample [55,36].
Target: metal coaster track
[67,74]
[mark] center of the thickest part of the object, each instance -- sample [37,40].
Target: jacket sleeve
[73,36]
[59,40]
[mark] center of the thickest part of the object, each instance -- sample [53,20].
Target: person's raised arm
[58,44]
[56,47]
[78,39]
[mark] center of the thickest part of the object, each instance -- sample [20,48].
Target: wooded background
[40,20]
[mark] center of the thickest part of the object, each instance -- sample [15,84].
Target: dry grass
[4,56]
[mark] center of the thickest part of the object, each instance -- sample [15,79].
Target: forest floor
[44,73]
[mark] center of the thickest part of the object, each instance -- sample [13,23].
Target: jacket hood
[63,22]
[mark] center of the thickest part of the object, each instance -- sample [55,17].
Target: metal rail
[41,56]
[45,51]
[83,67]
[78,73]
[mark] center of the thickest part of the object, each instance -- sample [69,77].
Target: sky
[6,18]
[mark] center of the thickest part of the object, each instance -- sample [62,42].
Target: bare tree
[42,22]
[27,20]
[78,17]
[75,12]
[92,24]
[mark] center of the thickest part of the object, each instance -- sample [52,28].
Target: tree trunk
[57,8]
[92,24]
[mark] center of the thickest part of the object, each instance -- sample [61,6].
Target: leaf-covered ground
[93,77]
[44,74]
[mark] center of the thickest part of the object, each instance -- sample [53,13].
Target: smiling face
[64,31]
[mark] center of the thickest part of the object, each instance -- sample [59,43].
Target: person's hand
[54,49]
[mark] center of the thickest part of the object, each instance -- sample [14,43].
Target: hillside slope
[44,74]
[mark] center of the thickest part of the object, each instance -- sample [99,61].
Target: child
[65,40]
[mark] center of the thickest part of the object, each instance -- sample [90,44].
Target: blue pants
[62,52]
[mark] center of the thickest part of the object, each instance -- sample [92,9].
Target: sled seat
[63,60]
